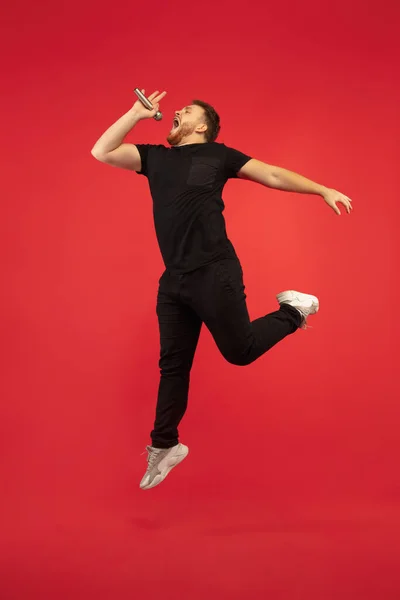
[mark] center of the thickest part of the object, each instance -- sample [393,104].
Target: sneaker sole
[172,462]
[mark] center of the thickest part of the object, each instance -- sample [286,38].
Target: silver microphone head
[158,116]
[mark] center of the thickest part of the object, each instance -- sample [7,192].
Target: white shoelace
[152,454]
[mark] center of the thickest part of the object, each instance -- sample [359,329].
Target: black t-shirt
[186,184]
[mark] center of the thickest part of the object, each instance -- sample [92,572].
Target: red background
[291,490]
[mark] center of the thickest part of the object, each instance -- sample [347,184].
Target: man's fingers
[156,96]
[153,95]
[346,201]
[345,204]
[160,97]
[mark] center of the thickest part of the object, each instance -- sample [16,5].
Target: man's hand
[144,113]
[333,198]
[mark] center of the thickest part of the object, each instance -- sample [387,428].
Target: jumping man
[203,277]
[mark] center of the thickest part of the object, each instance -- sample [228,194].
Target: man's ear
[201,128]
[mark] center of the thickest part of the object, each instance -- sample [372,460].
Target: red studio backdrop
[291,489]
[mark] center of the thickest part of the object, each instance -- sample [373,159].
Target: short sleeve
[144,154]
[234,161]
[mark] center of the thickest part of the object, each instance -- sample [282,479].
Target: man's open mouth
[175,123]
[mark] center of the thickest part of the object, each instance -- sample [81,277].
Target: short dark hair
[212,120]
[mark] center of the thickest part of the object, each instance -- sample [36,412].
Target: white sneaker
[305,303]
[160,463]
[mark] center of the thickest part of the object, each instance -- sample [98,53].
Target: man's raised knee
[238,359]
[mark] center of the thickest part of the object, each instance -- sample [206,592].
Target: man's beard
[183,131]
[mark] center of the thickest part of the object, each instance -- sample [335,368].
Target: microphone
[147,104]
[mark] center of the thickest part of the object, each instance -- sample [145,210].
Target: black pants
[213,295]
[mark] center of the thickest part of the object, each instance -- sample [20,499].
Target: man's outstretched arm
[282,179]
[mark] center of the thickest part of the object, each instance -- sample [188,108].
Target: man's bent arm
[110,148]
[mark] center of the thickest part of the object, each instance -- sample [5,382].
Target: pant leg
[217,294]
[179,334]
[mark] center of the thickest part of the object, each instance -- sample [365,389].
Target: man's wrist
[134,114]
[322,190]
